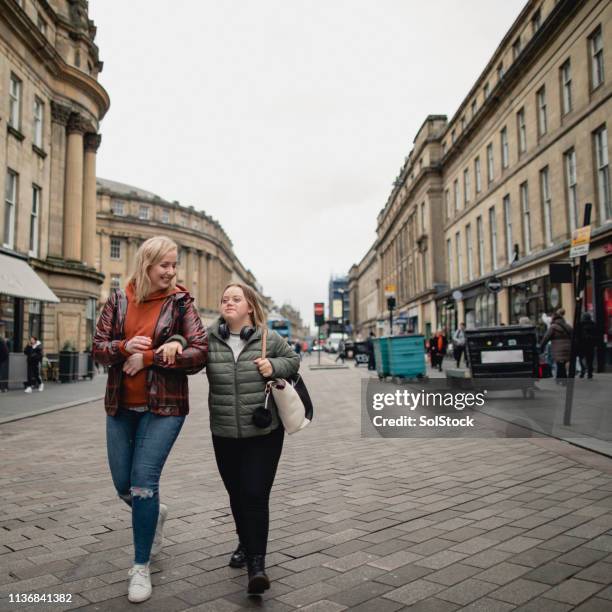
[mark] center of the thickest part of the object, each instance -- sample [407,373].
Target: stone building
[494,193]
[127,216]
[51,105]
[363,287]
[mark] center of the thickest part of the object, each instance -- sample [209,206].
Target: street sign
[581,238]
[319,313]
[337,309]
[457,295]
[389,290]
[494,285]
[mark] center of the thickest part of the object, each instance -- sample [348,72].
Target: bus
[281,326]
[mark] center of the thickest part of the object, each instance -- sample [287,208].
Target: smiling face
[235,309]
[162,273]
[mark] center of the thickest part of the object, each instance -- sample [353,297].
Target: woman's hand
[138,344]
[170,350]
[264,366]
[133,364]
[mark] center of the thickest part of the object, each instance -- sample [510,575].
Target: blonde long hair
[150,253]
[258,318]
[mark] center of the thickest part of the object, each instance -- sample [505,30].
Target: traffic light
[390,302]
[319,313]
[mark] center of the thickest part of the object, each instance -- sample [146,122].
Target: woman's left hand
[264,366]
[170,350]
[133,364]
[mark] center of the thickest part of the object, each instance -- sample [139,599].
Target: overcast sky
[286,120]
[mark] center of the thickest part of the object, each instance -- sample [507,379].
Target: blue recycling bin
[381,356]
[407,356]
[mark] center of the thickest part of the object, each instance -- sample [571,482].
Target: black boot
[238,558]
[258,580]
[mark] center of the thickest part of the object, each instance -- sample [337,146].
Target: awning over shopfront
[19,280]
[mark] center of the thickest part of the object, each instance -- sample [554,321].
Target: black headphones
[245,333]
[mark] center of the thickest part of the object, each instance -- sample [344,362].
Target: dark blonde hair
[150,253]
[258,318]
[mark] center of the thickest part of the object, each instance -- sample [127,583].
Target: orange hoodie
[140,320]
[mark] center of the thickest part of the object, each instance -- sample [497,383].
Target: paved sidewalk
[16,405]
[359,524]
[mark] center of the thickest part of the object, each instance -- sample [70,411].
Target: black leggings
[247,467]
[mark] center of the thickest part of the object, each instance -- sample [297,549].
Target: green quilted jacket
[237,387]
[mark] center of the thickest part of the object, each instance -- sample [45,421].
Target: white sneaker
[140,588]
[158,541]
[28,390]
[41,387]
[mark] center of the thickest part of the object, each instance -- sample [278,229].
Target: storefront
[447,315]
[532,299]
[598,300]
[479,307]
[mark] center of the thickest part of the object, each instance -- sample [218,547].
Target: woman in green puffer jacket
[247,440]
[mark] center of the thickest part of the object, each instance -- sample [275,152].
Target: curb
[27,415]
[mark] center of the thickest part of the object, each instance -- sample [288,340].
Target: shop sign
[389,290]
[581,238]
[457,295]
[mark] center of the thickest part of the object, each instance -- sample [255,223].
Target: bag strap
[264,342]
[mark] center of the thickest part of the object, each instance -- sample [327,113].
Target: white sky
[286,120]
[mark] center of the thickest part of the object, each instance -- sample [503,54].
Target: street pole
[579,298]
[319,345]
[390,321]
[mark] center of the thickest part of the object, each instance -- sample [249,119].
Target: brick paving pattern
[357,524]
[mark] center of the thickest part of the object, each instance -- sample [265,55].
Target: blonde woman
[146,393]
[247,439]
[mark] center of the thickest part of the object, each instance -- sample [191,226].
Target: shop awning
[19,280]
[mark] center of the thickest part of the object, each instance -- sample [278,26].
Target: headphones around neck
[245,333]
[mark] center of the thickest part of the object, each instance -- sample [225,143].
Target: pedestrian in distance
[247,433]
[560,336]
[34,355]
[587,343]
[341,352]
[459,343]
[146,393]
[371,359]
[437,349]
[4,357]
[298,349]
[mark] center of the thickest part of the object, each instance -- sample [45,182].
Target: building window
[546,205]
[572,188]
[36,200]
[459,258]
[524,191]
[456,194]
[467,187]
[490,169]
[542,117]
[536,21]
[486,90]
[115,248]
[453,137]
[39,114]
[423,231]
[165,215]
[566,87]
[508,227]
[516,48]
[463,122]
[493,230]
[474,108]
[603,173]
[115,282]
[184,220]
[117,207]
[470,252]
[10,204]
[597,60]
[480,238]
[500,71]
[449,261]
[477,175]
[505,154]
[41,24]
[522,131]
[444,148]
[34,318]
[447,203]
[143,213]
[15,102]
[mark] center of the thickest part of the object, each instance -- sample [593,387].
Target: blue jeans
[138,444]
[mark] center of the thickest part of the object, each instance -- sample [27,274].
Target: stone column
[189,270]
[202,281]
[210,285]
[88,234]
[73,200]
[59,119]
[130,260]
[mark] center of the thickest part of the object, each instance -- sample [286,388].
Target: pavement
[356,523]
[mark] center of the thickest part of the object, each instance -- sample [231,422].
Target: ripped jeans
[138,444]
